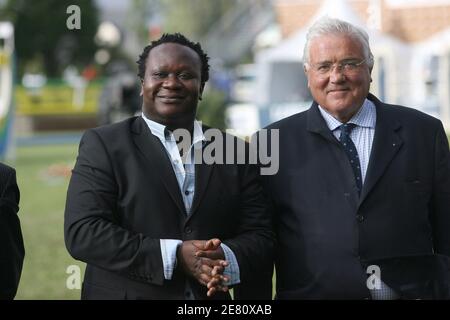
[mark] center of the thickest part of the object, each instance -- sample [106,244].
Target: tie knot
[346,128]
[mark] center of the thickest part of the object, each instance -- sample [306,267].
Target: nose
[171,81]
[336,74]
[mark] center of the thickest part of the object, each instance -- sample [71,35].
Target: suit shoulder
[110,136]
[413,116]
[290,121]
[5,169]
[115,128]
[109,132]
[5,173]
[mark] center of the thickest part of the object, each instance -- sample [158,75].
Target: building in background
[410,41]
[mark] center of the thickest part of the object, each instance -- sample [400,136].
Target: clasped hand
[205,261]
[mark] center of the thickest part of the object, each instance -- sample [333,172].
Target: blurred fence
[58,98]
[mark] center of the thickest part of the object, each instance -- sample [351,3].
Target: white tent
[281,83]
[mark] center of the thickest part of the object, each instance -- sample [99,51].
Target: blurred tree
[142,16]
[194,17]
[43,40]
[211,110]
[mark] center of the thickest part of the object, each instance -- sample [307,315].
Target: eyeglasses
[350,66]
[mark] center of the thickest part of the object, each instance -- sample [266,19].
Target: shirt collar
[156,128]
[365,117]
[159,130]
[198,133]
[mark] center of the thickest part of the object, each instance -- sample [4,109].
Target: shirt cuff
[169,256]
[232,270]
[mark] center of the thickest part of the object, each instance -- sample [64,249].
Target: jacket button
[187,230]
[360,218]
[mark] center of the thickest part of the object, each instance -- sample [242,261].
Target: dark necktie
[352,153]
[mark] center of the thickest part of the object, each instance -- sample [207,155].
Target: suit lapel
[155,153]
[386,144]
[316,124]
[202,175]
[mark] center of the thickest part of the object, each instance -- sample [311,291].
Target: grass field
[43,176]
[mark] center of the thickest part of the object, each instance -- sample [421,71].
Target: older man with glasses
[362,197]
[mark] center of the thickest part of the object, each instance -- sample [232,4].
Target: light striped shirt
[185,174]
[362,134]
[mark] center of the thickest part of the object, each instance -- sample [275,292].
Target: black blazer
[328,235]
[123,197]
[11,243]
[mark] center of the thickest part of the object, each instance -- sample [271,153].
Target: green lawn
[43,176]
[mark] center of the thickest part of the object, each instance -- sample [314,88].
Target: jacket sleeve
[254,244]
[92,229]
[440,202]
[11,243]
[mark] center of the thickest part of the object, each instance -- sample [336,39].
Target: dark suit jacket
[123,197]
[327,234]
[11,243]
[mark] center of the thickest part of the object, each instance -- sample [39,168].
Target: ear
[305,70]
[142,88]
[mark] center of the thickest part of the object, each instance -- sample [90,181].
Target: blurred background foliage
[211,109]
[42,45]
[45,47]
[194,17]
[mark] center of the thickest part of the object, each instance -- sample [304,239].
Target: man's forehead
[334,44]
[334,38]
[173,49]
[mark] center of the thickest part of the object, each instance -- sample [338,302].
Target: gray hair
[327,26]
